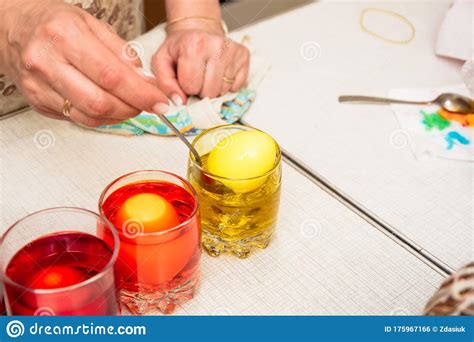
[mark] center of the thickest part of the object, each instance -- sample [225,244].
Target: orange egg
[151,212]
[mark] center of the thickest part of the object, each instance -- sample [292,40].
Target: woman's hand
[55,51]
[197,59]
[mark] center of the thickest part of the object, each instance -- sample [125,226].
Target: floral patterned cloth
[231,109]
[125,16]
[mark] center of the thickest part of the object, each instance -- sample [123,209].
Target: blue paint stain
[454,137]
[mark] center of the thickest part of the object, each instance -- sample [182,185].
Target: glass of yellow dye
[238,187]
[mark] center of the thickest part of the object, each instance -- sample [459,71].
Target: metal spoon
[451,102]
[210,184]
[182,137]
[171,126]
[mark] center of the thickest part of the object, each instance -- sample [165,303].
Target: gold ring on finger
[67,108]
[228,80]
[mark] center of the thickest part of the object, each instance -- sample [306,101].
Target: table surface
[325,258]
[427,203]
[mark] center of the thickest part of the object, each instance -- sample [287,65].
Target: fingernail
[176,99]
[161,108]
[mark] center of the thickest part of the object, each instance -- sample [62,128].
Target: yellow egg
[151,211]
[243,155]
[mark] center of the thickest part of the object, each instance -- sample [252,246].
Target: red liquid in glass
[58,261]
[2,302]
[156,261]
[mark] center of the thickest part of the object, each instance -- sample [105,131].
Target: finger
[240,79]
[229,74]
[242,69]
[106,70]
[164,69]
[52,107]
[85,120]
[49,113]
[237,61]
[191,73]
[86,96]
[214,78]
[106,34]
[38,95]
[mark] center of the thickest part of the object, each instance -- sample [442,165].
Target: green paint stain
[434,120]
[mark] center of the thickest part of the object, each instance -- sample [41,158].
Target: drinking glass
[57,262]
[2,302]
[158,265]
[235,222]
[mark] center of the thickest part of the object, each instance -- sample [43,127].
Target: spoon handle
[181,136]
[371,99]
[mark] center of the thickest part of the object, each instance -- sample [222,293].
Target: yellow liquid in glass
[232,221]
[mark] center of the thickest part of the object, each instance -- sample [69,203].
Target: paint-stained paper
[432,131]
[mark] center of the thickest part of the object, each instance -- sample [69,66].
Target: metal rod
[182,137]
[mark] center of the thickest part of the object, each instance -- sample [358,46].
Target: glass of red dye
[156,216]
[2,302]
[60,261]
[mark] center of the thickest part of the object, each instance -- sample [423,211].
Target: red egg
[57,276]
